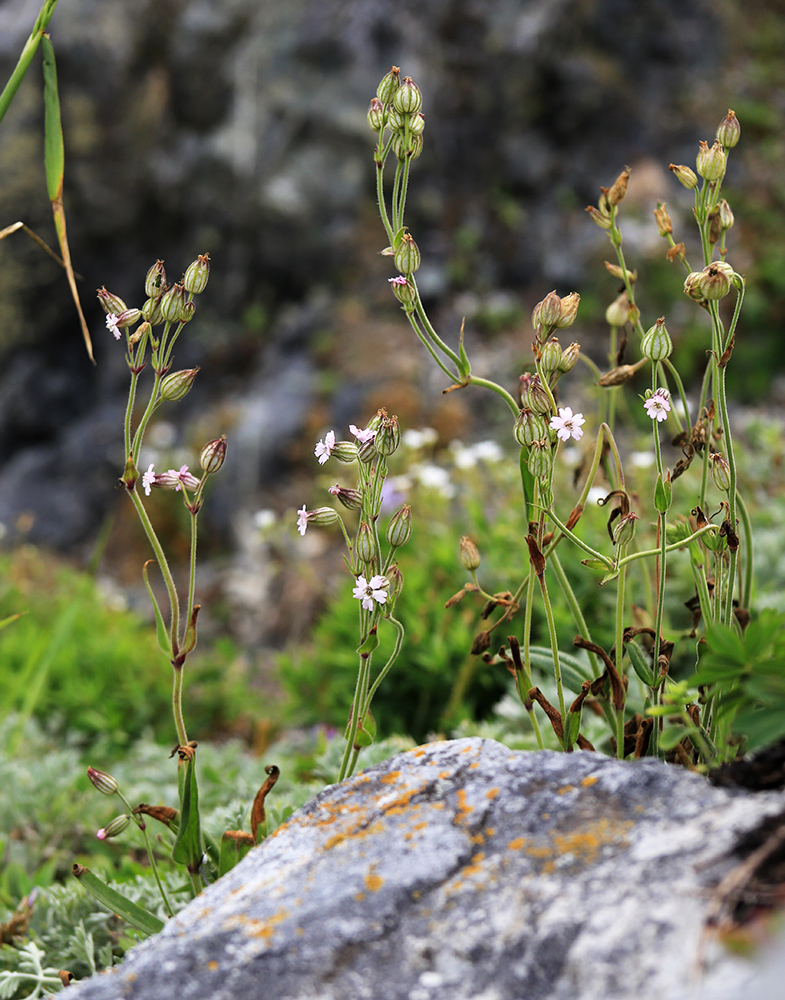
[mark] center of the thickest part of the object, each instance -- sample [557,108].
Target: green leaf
[29,50]
[369,723]
[573,670]
[640,663]
[232,851]
[595,564]
[370,643]
[464,367]
[663,494]
[187,848]
[573,726]
[136,915]
[673,735]
[362,738]
[609,576]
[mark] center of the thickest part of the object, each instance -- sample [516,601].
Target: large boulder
[466,870]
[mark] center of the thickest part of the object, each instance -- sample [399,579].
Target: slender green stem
[163,565]
[650,553]
[527,630]
[554,640]
[435,338]
[429,347]
[746,591]
[191,571]
[620,650]
[363,667]
[153,863]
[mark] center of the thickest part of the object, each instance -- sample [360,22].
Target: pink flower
[111,324]
[325,448]
[368,591]
[568,424]
[399,280]
[658,406]
[302,520]
[363,436]
[148,479]
[175,479]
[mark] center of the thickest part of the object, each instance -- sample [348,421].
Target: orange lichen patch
[418,752]
[472,766]
[390,778]
[469,750]
[373,882]
[586,844]
[416,893]
[539,852]
[299,931]
[590,780]
[517,844]
[258,928]
[489,831]
[359,896]
[212,966]
[492,793]
[463,807]
[445,774]
[478,838]
[357,831]
[565,789]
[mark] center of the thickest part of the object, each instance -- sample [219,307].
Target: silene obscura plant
[625,690]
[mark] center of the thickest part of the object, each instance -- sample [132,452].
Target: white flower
[325,448]
[302,520]
[363,436]
[568,424]
[111,324]
[371,590]
[658,406]
[148,479]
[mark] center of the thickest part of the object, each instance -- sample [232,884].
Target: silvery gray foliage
[466,870]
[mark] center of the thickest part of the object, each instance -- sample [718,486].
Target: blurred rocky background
[239,128]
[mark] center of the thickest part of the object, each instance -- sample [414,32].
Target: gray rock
[466,870]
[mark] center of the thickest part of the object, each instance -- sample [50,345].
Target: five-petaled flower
[399,280]
[567,424]
[324,449]
[363,436]
[302,520]
[111,324]
[148,479]
[658,406]
[371,590]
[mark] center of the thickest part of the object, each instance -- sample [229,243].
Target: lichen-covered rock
[464,870]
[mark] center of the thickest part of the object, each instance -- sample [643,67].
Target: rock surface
[466,870]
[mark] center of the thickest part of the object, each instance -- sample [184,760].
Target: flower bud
[715,280]
[569,358]
[710,163]
[345,451]
[729,131]
[530,427]
[351,499]
[127,318]
[715,224]
[691,286]
[403,289]
[117,825]
[536,396]
[624,532]
[212,456]
[406,146]
[396,121]
[389,85]
[599,217]
[540,459]
[407,256]
[547,312]
[375,115]
[656,344]
[720,471]
[664,226]
[621,272]
[176,479]
[618,312]
[619,187]
[323,515]
[395,579]
[550,356]
[155,281]
[469,554]
[196,274]
[172,302]
[110,303]
[407,99]
[365,546]
[684,175]
[151,311]
[388,436]
[104,782]
[399,530]
[726,215]
[417,124]
[177,385]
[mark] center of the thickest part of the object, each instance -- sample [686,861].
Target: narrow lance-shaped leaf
[187,848]
[54,159]
[29,50]
[162,633]
[136,915]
